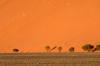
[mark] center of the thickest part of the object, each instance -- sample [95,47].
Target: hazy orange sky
[30,25]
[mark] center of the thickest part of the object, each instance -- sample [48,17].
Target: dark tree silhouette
[15,50]
[71,49]
[47,48]
[98,47]
[88,47]
[60,49]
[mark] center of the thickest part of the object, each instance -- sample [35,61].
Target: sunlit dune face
[30,25]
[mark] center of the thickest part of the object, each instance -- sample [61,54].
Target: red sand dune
[30,25]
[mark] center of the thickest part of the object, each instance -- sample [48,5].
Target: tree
[47,48]
[60,49]
[71,49]
[87,47]
[98,47]
[15,50]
